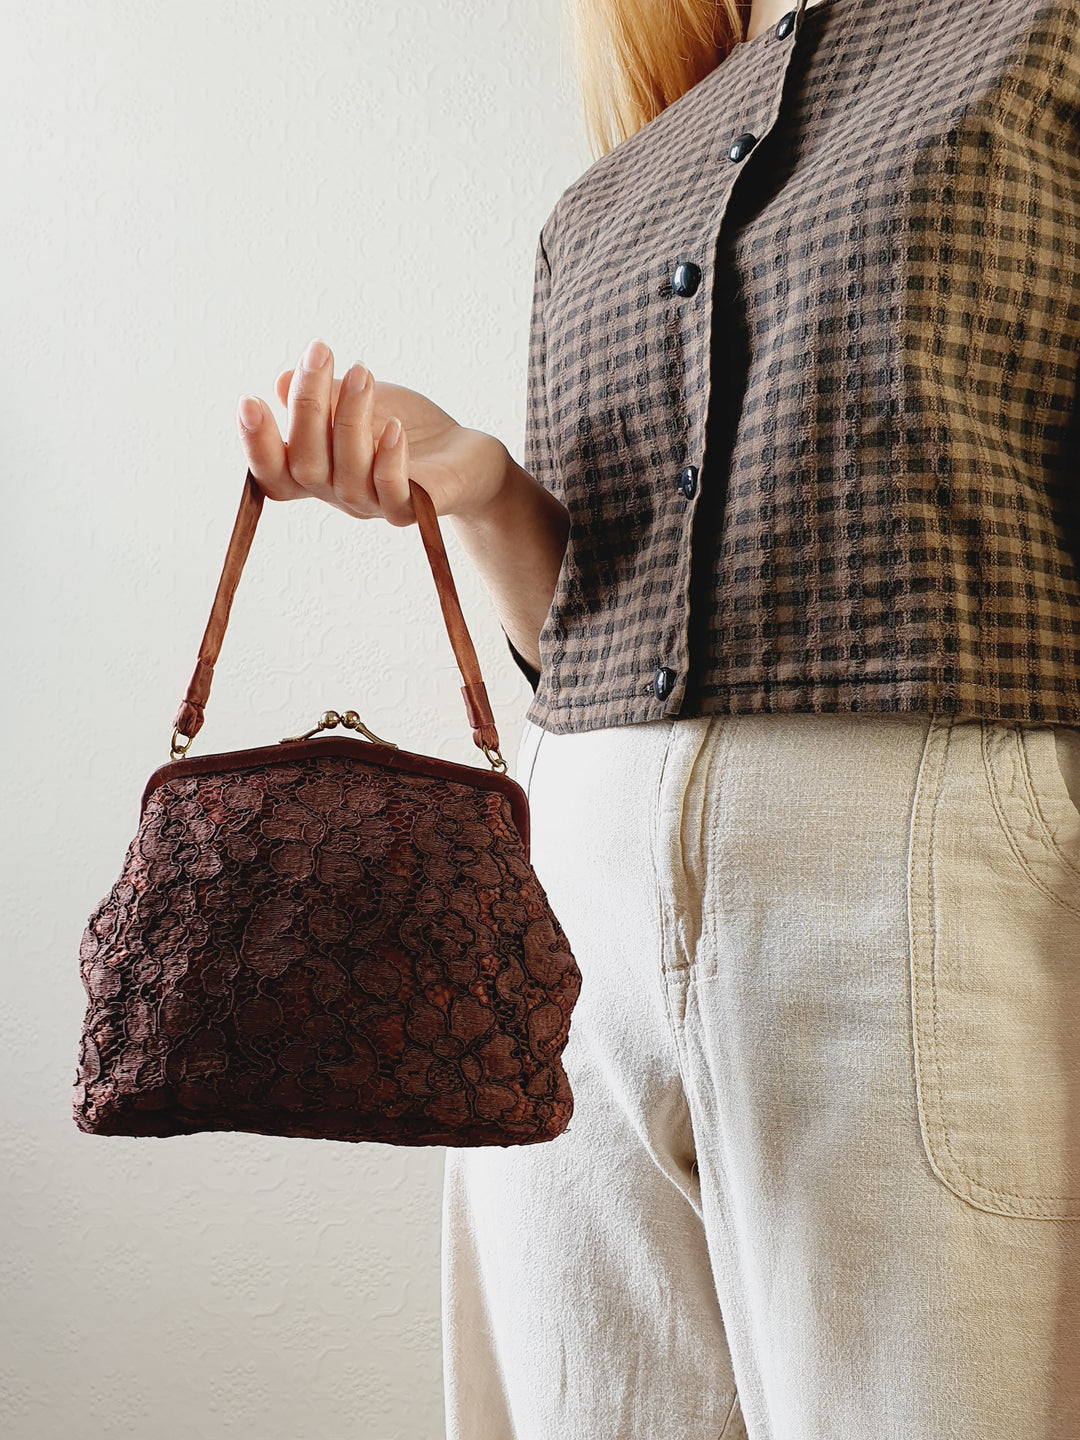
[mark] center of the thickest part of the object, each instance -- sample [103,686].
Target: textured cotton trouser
[822,1180]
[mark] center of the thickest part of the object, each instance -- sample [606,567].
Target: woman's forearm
[517,541]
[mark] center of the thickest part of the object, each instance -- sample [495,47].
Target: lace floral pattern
[332,949]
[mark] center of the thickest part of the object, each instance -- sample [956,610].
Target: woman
[791,567]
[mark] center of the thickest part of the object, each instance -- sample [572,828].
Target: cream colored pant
[822,1181]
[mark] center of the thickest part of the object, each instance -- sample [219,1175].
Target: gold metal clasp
[331,720]
[178,751]
[498,764]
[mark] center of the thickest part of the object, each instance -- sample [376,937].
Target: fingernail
[315,355]
[354,381]
[391,435]
[250,412]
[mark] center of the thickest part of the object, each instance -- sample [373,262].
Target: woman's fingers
[310,420]
[284,381]
[354,443]
[338,448]
[390,472]
[265,449]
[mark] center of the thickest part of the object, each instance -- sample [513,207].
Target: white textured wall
[193,189]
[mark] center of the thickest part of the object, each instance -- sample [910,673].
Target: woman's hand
[356,442]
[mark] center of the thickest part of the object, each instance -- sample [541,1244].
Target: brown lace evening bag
[328,937]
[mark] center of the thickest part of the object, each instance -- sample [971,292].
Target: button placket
[665,680]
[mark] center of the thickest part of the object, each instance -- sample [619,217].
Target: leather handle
[190,716]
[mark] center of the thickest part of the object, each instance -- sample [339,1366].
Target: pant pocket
[994,908]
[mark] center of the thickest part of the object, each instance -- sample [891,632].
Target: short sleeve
[538,453]
[533,676]
[539,446]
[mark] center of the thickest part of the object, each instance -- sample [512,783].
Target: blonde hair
[635,57]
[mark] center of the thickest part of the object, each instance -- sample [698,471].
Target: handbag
[329,937]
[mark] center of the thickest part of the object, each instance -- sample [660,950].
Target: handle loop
[190,716]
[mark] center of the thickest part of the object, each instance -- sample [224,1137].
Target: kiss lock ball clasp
[331,720]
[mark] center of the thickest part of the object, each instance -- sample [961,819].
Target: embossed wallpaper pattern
[195,190]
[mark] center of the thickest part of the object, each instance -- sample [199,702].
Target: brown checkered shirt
[803,369]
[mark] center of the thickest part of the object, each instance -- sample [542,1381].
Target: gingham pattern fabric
[875,380]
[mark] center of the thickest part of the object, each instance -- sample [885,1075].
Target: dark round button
[662,682]
[742,147]
[785,25]
[688,482]
[686,279]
